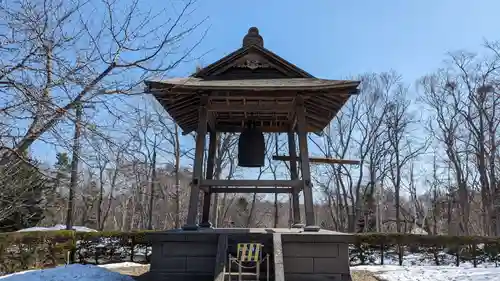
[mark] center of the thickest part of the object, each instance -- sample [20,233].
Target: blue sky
[335,39]
[340,39]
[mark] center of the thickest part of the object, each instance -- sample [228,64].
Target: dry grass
[139,270]
[363,276]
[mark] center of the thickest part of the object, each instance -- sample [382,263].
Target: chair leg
[267,271]
[257,269]
[240,275]
[224,272]
[230,263]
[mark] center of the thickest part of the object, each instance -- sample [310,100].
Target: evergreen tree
[23,197]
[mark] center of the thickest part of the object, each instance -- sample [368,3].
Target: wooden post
[306,173]
[212,148]
[294,176]
[197,167]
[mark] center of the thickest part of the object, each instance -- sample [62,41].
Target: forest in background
[71,84]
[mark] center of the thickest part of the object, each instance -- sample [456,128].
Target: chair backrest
[250,252]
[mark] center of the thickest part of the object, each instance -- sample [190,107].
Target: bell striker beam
[212,148]
[306,172]
[198,166]
[294,175]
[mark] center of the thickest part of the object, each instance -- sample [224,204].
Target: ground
[362,275]
[386,272]
[134,271]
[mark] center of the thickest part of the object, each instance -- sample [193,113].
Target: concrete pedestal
[296,255]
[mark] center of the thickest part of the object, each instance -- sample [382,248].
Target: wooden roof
[217,67]
[286,84]
[269,101]
[255,83]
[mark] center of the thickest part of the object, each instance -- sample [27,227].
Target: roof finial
[253,38]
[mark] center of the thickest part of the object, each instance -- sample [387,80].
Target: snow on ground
[78,272]
[57,227]
[419,259]
[384,272]
[431,273]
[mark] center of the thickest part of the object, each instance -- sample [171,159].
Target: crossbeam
[250,107]
[252,183]
[319,160]
[251,190]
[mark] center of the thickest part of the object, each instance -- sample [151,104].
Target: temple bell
[251,147]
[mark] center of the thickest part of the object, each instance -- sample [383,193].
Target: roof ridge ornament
[253,38]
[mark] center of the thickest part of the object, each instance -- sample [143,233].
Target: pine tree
[23,196]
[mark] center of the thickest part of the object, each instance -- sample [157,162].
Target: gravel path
[138,270]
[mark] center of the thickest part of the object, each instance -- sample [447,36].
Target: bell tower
[252,92]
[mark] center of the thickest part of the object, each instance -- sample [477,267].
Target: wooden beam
[278,183]
[319,160]
[197,170]
[212,149]
[252,190]
[250,107]
[211,120]
[292,150]
[306,172]
[264,129]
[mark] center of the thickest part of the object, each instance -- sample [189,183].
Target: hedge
[439,249]
[27,250]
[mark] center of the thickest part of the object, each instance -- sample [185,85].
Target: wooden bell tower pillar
[209,173]
[306,182]
[293,186]
[292,150]
[201,132]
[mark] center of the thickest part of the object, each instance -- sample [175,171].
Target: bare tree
[58,54]
[464,101]
[403,144]
[357,132]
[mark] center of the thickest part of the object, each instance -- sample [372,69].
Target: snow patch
[57,227]
[431,273]
[78,272]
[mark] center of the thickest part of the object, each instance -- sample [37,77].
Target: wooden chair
[249,256]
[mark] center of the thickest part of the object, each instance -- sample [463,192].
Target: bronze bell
[251,147]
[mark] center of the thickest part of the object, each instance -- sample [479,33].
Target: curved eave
[322,103]
[296,84]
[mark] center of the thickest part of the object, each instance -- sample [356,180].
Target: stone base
[297,255]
